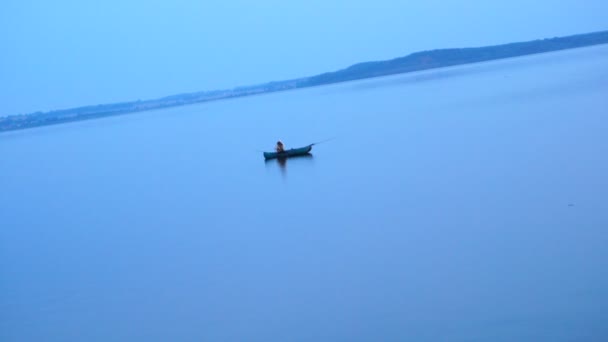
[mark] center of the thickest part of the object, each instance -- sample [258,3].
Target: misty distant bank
[414,62]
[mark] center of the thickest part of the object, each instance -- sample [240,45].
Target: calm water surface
[461,204]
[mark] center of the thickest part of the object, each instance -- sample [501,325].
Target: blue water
[459,204]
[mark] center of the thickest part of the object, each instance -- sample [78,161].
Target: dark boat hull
[288,153]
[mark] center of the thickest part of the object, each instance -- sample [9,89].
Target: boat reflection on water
[282,162]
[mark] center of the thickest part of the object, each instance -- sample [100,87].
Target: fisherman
[280,148]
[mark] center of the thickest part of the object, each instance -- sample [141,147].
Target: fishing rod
[323,141]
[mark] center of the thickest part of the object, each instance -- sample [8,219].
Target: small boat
[288,153]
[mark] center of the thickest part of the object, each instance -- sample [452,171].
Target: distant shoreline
[418,61]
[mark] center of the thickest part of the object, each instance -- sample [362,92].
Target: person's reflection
[282,164]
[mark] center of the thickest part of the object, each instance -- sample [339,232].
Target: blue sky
[67,53]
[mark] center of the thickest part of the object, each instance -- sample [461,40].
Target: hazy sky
[67,53]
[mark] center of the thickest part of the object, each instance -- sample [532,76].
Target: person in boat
[280,148]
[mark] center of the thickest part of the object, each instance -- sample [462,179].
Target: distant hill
[449,57]
[414,62]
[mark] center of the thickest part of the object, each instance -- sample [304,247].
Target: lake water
[459,204]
